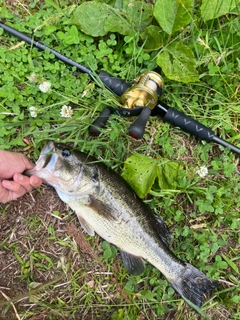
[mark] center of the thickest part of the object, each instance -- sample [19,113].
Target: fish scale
[105,204]
[140,244]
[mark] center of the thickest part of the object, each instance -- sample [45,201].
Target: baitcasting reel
[138,100]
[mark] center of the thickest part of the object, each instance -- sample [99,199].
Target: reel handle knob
[100,121]
[137,129]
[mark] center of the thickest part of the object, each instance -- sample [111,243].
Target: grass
[202,213]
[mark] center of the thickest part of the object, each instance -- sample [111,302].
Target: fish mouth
[46,155]
[46,161]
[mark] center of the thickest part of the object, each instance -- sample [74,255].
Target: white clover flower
[66,112]
[33,78]
[33,111]
[45,86]
[202,171]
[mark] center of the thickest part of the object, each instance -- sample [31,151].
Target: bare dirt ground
[35,254]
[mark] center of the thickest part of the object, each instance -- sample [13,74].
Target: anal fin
[133,264]
[86,226]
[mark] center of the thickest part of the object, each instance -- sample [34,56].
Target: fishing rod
[139,99]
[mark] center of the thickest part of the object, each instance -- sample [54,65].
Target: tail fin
[194,285]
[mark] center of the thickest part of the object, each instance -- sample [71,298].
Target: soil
[28,226]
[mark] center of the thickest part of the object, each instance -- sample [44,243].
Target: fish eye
[66,153]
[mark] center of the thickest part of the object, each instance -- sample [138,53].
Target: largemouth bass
[106,204]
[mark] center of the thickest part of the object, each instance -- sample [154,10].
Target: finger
[13,191]
[4,194]
[24,181]
[23,161]
[11,162]
[35,181]
[28,164]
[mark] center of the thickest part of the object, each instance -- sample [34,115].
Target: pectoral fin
[86,226]
[133,264]
[101,208]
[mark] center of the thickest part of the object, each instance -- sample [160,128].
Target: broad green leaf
[167,174]
[97,19]
[154,39]
[172,15]
[90,17]
[140,14]
[211,9]
[140,172]
[136,14]
[178,63]
[116,23]
[5,13]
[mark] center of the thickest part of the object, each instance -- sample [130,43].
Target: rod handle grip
[118,86]
[188,124]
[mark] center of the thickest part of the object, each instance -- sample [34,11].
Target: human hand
[13,184]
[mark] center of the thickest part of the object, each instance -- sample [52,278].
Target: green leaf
[172,15]
[130,286]
[178,63]
[140,14]
[69,37]
[53,4]
[116,23]
[97,19]
[107,254]
[219,263]
[231,264]
[211,9]
[148,295]
[135,15]
[140,172]
[154,39]
[90,17]
[167,174]
[236,299]
[3,94]
[5,13]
